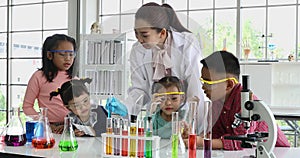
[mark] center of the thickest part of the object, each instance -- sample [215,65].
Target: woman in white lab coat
[164,48]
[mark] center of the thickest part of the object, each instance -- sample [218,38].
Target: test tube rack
[155,144]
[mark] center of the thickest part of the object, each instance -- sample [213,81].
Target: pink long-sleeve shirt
[39,88]
[224,118]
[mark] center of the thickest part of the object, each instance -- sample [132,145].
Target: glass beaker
[68,141]
[43,138]
[15,133]
[31,122]
[207,123]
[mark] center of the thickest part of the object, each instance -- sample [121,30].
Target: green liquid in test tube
[148,144]
[175,146]
[175,134]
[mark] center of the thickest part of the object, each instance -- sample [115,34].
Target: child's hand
[156,102]
[185,129]
[199,141]
[78,133]
[57,129]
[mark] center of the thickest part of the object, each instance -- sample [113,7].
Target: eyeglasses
[173,96]
[64,53]
[78,106]
[217,81]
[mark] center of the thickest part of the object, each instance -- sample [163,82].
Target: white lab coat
[185,56]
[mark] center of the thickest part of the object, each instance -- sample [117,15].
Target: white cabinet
[103,57]
[277,84]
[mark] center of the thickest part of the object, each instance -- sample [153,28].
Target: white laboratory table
[90,147]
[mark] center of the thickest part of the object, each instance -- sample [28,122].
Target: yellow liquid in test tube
[109,142]
[132,149]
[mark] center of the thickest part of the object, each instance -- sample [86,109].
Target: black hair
[48,67]
[167,82]
[71,89]
[160,16]
[222,62]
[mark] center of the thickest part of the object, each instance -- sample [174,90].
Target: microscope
[255,110]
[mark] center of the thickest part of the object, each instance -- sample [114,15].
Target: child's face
[170,103]
[63,60]
[215,91]
[81,106]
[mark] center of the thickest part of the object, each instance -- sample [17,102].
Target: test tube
[140,140]
[109,130]
[116,131]
[132,149]
[175,134]
[207,146]
[124,124]
[148,146]
[192,140]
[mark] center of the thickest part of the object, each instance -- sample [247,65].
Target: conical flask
[68,141]
[43,138]
[15,134]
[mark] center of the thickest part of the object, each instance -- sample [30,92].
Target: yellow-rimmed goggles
[168,93]
[218,81]
[172,96]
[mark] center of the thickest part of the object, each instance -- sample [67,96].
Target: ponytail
[71,89]
[160,17]
[173,19]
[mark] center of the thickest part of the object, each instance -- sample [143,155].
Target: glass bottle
[68,141]
[43,138]
[15,133]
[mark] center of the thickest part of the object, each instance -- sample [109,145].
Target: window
[22,55]
[264,25]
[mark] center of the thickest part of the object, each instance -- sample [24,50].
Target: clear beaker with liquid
[15,133]
[43,138]
[68,141]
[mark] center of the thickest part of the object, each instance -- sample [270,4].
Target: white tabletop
[91,147]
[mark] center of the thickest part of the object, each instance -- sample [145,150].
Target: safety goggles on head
[64,53]
[206,82]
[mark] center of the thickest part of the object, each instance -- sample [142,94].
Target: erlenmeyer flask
[15,134]
[43,137]
[68,141]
